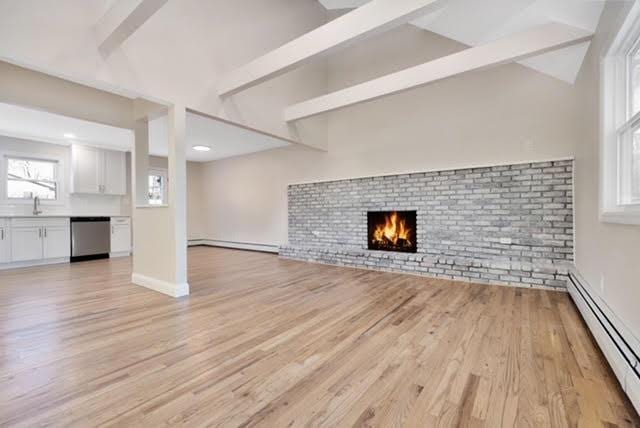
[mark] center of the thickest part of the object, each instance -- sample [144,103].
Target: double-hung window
[27,178]
[621,125]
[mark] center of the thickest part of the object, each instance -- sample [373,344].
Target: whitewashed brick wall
[505,224]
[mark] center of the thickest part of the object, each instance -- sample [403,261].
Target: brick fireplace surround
[508,224]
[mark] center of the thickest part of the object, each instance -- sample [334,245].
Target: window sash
[625,178]
[13,178]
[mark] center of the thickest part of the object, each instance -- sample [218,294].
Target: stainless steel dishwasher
[90,238]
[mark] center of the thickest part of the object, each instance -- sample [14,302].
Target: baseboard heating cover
[617,343]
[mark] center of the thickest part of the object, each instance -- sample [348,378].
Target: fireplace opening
[392,231]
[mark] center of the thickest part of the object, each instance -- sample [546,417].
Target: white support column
[140,164]
[178,188]
[160,231]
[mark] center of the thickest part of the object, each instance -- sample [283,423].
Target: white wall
[607,253]
[506,114]
[72,204]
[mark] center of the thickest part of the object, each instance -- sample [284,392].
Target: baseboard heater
[621,355]
[252,246]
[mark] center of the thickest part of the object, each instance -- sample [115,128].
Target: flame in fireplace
[393,230]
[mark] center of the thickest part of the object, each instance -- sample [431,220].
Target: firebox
[392,231]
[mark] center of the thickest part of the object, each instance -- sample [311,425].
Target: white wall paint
[506,114]
[71,204]
[604,252]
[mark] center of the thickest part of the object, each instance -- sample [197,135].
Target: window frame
[165,190]
[55,182]
[61,176]
[618,124]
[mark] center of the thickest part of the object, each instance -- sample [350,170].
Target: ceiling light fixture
[201,148]
[69,135]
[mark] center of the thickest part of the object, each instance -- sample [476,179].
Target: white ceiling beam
[372,18]
[122,20]
[535,41]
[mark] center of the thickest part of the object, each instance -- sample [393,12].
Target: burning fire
[393,230]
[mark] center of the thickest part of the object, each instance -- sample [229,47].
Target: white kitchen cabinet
[26,243]
[40,239]
[98,171]
[86,169]
[5,249]
[115,173]
[56,242]
[120,236]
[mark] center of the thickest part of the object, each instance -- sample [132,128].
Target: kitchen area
[63,198]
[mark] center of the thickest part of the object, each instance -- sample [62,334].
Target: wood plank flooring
[268,342]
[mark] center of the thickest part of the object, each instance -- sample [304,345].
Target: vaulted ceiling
[477,22]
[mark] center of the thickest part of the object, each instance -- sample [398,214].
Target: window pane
[635,166]
[31,189]
[635,80]
[31,169]
[156,189]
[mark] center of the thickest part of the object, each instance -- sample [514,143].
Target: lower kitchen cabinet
[120,236]
[26,243]
[40,239]
[5,249]
[56,242]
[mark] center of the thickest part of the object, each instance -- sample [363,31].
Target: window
[28,178]
[620,97]
[157,187]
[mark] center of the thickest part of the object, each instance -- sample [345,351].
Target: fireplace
[392,231]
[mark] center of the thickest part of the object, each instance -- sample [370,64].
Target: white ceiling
[475,22]
[225,139]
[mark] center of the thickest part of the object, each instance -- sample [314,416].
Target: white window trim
[62,173]
[613,113]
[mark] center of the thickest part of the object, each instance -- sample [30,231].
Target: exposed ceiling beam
[374,17]
[540,39]
[122,20]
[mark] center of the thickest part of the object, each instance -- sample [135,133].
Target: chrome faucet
[36,205]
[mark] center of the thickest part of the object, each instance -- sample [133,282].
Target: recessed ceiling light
[69,135]
[201,148]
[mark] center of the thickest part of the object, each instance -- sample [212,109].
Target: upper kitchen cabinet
[98,171]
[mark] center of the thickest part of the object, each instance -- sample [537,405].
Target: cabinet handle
[40,233]
[2,234]
[45,232]
[112,230]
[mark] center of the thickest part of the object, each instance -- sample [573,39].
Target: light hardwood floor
[269,342]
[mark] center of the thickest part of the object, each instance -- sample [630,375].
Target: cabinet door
[57,242]
[4,245]
[115,173]
[86,169]
[120,238]
[26,243]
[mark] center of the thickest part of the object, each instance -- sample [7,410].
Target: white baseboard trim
[269,248]
[164,287]
[31,263]
[120,254]
[613,338]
